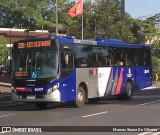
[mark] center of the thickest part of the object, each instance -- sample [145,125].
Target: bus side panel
[118,78]
[115,81]
[103,80]
[129,74]
[99,81]
[143,77]
[68,88]
[96,80]
[89,77]
[111,81]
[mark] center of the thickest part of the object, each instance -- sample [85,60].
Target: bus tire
[128,92]
[41,105]
[80,97]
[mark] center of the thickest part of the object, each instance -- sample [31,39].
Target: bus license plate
[31,97]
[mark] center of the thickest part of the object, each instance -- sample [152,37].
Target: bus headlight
[14,90]
[50,90]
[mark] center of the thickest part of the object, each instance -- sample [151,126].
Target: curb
[6,91]
[5,84]
[152,87]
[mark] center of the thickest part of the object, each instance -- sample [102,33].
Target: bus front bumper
[52,97]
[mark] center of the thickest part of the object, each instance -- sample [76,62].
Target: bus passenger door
[67,83]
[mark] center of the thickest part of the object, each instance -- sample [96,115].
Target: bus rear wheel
[128,92]
[80,97]
[41,105]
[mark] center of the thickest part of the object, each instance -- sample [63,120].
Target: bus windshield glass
[34,64]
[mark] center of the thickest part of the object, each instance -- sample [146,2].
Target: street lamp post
[56,18]
[10,52]
[123,9]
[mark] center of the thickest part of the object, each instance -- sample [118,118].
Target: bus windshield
[35,64]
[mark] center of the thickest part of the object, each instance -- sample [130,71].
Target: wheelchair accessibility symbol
[34,74]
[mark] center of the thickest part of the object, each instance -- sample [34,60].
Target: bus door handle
[64,84]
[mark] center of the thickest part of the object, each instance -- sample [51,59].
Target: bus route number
[34,44]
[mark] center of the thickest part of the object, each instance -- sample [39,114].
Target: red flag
[77,9]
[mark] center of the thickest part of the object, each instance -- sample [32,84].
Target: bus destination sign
[34,44]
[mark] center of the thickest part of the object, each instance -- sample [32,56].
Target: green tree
[155,62]
[3,49]
[103,18]
[32,14]
[137,30]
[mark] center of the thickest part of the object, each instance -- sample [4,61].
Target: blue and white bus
[65,69]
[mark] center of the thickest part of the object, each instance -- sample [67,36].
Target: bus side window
[107,59]
[82,63]
[117,56]
[126,60]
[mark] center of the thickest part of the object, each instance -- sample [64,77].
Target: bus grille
[37,96]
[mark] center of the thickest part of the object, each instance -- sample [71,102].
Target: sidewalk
[5,88]
[157,85]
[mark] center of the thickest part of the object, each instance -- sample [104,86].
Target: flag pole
[56,18]
[82,25]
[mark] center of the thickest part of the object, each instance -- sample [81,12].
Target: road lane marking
[7,115]
[3,132]
[149,103]
[85,116]
[150,133]
[157,133]
[144,133]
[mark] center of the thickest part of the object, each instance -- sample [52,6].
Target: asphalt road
[142,110]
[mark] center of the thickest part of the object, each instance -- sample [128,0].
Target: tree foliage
[103,18]
[30,14]
[155,62]
[3,49]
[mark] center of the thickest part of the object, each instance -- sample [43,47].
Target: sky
[142,8]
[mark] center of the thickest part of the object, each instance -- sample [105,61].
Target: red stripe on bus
[119,83]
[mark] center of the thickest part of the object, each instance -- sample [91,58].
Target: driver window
[66,60]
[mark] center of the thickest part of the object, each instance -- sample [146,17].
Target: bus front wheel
[80,97]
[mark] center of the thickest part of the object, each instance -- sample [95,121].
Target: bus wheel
[128,92]
[80,98]
[41,105]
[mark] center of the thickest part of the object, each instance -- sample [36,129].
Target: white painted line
[150,133]
[6,115]
[157,133]
[94,114]
[145,133]
[3,132]
[149,103]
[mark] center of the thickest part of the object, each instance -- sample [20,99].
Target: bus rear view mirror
[66,58]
